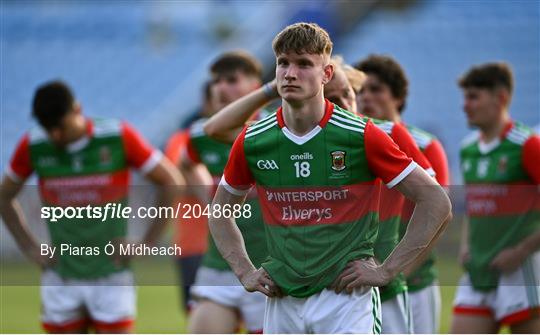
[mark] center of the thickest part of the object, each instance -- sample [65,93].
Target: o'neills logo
[338,160]
[302,157]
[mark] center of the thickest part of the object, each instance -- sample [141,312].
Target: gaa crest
[338,160]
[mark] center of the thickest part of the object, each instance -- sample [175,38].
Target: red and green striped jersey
[94,170]
[503,203]
[214,154]
[433,150]
[319,192]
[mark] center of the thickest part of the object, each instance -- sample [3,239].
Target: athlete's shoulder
[420,136]
[106,127]
[384,125]
[262,125]
[520,133]
[197,128]
[346,120]
[470,139]
[36,135]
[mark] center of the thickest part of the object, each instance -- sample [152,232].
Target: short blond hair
[303,38]
[356,78]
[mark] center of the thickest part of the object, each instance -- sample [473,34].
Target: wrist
[387,272]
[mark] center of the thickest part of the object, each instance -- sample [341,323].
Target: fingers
[271,285]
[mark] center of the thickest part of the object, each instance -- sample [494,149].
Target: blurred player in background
[384,96]
[310,254]
[192,233]
[221,301]
[500,246]
[81,161]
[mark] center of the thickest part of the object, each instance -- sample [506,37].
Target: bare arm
[198,179]
[13,216]
[226,124]
[167,177]
[510,259]
[432,211]
[230,244]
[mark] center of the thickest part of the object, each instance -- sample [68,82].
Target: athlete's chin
[292,98]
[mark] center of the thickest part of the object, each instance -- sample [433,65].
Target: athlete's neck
[395,117]
[301,117]
[491,131]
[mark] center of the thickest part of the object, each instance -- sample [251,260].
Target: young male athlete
[221,302]
[384,96]
[501,254]
[81,161]
[339,90]
[315,167]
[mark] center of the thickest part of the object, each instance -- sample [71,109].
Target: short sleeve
[531,158]
[190,152]
[139,153]
[435,154]
[175,146]
[407,144]
[237,177]
[20,166]
[385,159]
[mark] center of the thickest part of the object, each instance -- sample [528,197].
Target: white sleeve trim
[231,189]
[402,175]
[151,162]
[12,175]
[431,172]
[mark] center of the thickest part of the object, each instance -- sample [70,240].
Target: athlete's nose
[291,72]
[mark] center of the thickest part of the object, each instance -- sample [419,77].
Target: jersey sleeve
[20,166]
[385,159]
[406,143]
[435,154]
[190,152]
[237,177]
[175,146]
[531,158]
[139,153]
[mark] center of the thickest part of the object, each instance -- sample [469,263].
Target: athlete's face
[301,77]
[70,129]
[230,86]
[340,92]
[482,106]
[376,99]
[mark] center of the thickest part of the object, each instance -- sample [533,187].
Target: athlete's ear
[503,96]
[328,73]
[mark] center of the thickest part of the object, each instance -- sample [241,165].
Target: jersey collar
[489,146]
[329,107]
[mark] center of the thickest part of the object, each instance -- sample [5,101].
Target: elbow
[445,208]
[210,129]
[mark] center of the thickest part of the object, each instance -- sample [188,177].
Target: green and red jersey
[503,202]
[214,154]
[94,170]
[433,150]
[319,192]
